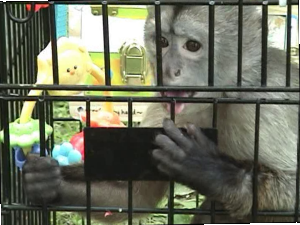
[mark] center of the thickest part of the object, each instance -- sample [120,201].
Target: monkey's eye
[68,70]
[164,42]
[192,46]
[75,67]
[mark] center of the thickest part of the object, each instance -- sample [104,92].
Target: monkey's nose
[177,73]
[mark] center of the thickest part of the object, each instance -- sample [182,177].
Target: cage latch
[133,63]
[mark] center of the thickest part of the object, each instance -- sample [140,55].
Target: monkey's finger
[41,187]
[165,170]
[175,134]
[39,176]
[200,137]
[174,171]
[37,163]
[167,145]
[161,156]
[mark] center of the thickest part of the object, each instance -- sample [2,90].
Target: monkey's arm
[196,162]
[45,181]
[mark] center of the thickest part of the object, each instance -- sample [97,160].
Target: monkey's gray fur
[235,122]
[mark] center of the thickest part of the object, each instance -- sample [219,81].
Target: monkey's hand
[192,160]
[41,179]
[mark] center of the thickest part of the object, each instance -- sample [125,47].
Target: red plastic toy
[98,119]
[37,7]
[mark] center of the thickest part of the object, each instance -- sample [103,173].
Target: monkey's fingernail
[191,127]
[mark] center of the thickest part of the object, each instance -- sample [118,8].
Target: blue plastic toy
[20,158]
[65,154]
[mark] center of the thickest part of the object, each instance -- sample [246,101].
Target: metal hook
[18,20]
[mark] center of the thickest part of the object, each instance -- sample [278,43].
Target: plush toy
[74,65]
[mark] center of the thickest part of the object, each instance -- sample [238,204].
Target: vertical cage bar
[130,113]
[20,187]
[211,38]
[130,195]
[18,74]
[26,53]
[37,36]
[88,182]
[46,27]
[159,70]
[30,53]
[240,44]
[6,159]
[1,147]
[54,217]
[40,217]
[255,166]
[41,104]
[106,43]
[215,114]
[40,31]
[53,42]
[20,69]
[197,199]
[214,125]
[172,184]
[11,161]
[14,185]
[3,61]
[12,39]
[30,217]
[23,58]
[34,47]
[25,213]
[264,44]
[52,125]
[80,126]
[47,112]
[9,53]
[24,79]
[288,43]
[42,126]
[13,65]
[298,172]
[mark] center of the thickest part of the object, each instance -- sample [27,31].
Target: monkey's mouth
[178,106]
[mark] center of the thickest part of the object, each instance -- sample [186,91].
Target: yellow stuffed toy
[74,64]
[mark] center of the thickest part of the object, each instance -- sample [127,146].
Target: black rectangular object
[124,153]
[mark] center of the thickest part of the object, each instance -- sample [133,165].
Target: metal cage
[27,33]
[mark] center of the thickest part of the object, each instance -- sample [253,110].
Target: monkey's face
[185,47]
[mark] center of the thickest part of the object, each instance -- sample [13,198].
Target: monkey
[225,174]
[221,173]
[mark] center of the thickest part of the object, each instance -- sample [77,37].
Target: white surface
[282,3]
[120,30]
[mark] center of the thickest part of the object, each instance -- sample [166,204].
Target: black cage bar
[27,33]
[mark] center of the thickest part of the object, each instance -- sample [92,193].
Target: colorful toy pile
[75,65]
